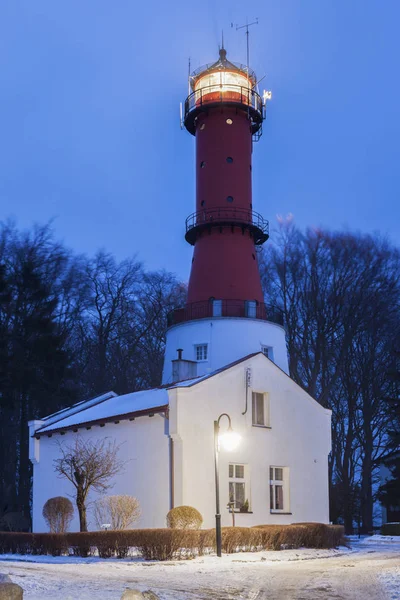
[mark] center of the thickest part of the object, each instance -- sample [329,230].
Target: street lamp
[229,441]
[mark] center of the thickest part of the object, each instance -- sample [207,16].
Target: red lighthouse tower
[224,113]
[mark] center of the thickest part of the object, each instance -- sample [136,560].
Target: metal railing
[223,308]
[241,216]
[226,93]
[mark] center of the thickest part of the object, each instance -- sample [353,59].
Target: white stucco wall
[299,439]
[145,446]
[228,339]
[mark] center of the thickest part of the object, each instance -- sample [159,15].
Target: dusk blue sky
[89,115]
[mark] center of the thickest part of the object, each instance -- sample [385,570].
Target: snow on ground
[382,539]
[366,571]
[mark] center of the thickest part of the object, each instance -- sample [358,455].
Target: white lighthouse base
[227,339]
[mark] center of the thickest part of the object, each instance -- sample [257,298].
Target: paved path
[368,574]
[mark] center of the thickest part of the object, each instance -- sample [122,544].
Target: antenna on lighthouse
[246,26]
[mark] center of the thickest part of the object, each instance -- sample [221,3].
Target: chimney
[183,369]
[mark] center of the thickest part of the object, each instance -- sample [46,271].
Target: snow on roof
[78,407]
[114,407]
[109,406]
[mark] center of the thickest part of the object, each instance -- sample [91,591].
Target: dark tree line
[339,294]
[70,327]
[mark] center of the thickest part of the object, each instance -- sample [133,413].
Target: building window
[229,121]
[202,164]
[260,406]
[237,485]
[229,198]
[217,308]
[229,159]
[250,309]
[201,351]
[279,489]
[202,126]
[268,351]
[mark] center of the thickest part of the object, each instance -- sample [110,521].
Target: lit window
[229,159]
[201,351]
[229,121]
[268,351]
[260,406]
[238,486]
[202,126]
[279,489]
[229,198]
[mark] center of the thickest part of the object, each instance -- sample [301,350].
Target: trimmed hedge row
[167,544]
[390,529]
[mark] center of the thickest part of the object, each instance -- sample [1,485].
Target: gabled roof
[110,407]
[195,380]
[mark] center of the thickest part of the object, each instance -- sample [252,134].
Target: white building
[223,355]
[280,466]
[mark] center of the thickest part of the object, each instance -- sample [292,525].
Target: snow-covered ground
[368,570]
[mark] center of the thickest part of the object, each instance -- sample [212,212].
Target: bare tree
[339,296]
[118,511]
[88,465]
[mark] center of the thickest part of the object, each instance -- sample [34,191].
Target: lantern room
[227,83]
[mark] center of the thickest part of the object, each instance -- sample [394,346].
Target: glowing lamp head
[223,79]
[229,440]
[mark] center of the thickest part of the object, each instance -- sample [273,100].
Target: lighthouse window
[251,309]
[201,352]
[229,159]
[202,164]
[229,198]
[202,202]
[229,121]
[202,126]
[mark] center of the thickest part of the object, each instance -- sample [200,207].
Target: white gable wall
[299,438]
[146,475]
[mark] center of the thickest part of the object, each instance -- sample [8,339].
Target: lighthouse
[225,317]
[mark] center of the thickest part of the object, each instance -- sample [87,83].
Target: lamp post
[229,440]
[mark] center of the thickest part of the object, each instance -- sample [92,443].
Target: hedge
[167,544]
[390,529]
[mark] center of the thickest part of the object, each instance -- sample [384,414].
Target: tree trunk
[81,505]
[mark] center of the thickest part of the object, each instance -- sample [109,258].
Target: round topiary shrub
[184,517]
[58,513]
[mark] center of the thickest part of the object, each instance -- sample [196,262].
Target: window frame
[241,480]
[203,353]
[268,351]
[284,484]
[267,411]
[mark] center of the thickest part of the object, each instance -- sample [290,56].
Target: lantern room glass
[231,85]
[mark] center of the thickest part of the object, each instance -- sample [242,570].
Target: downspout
[171,473]
[248,383]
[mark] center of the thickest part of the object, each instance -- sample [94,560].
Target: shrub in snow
[120,512]
[184,517]
[167,544]
[58,513]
